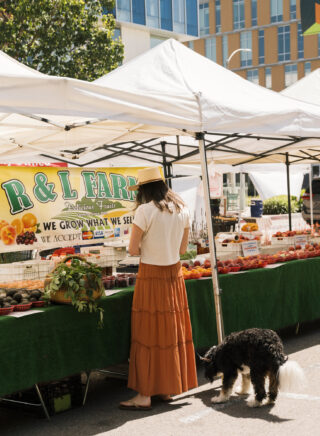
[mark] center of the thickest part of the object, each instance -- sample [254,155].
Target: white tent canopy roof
[306,89]
[169,90]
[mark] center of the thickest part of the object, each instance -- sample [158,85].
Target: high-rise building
[142,24]
[274,52]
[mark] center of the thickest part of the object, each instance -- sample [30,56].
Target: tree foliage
[61,37]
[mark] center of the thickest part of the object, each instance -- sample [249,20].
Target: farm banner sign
[45,207]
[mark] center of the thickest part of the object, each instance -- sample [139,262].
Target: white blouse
[163,231]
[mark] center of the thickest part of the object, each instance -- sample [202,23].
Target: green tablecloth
[59,341]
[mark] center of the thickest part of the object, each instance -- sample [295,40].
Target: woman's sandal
[132,405]
[166,398]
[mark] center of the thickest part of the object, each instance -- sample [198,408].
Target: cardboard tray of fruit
[288,237]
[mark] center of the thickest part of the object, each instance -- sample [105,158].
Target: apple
[196,263]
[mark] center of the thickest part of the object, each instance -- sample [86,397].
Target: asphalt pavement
[294,414]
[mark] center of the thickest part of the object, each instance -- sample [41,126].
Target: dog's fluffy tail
[291,377]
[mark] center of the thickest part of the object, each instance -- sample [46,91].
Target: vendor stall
[59,341]
[167,91]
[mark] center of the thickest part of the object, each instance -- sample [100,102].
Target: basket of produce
[78,282]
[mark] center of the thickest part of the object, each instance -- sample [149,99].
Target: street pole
[234,52]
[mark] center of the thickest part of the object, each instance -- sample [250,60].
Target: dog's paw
[271,401]
[241,391]
[219,399]
[252,402]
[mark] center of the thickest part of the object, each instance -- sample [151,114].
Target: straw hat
[147,175]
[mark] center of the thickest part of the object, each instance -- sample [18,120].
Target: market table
[59,341]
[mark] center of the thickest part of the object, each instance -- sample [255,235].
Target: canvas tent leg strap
[215,282]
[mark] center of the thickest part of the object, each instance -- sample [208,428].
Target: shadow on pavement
[237,407]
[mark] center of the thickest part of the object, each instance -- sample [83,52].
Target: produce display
[238,239]
[20,295]
[196,270]
[250,227]
[119,280]
[290,233]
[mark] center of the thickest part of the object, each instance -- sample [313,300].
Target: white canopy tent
[306,89]
[169,90]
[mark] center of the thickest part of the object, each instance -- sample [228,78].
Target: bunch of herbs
[79,280]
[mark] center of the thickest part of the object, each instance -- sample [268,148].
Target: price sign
[300,240]
[250,248]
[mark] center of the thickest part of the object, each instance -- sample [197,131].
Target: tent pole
[288,188]
[311,199]
[215,282]
[166,166]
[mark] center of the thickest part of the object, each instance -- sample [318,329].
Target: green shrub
[279,205]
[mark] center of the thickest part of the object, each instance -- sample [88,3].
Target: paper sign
[250,248]
[25,313]
[300,240]
[111,292]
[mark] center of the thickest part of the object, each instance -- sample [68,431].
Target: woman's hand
[135,239]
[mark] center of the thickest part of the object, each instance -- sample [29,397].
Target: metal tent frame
[167,152]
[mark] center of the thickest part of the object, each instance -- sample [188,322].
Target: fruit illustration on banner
[28,220]
[3,223]
[18,224]
[8,234]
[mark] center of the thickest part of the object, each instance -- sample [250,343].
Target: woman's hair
[160,194]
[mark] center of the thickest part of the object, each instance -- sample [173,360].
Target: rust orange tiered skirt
[162,359]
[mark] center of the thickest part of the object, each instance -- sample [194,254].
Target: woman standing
[162,360]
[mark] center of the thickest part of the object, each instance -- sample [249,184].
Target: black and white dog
[256,354]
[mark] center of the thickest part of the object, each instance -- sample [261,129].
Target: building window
[253,75]
[166,14]
[276,10]
[238,14]
[124,10]
[139,12]
[261,46]
[204,18]
[293,9]
[290,74]
[179,16]
[283,43]
[300,42]
[224,50]
[211,48]
[218,16]
[307,68]
[192,18]
[153,16]
[191,45]
[254,13]
[246,42]
[268,77]
[155,40]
